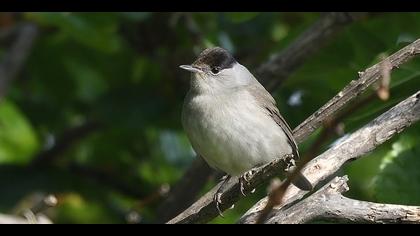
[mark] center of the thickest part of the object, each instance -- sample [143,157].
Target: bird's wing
[265,100]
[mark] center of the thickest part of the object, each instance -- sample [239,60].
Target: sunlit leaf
[399,179]
[18,141]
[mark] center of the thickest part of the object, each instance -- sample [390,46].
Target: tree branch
[278,68]
[34,214]
[355,88]
[270,73]
[351,148]
[8,219]
[204,210]
[328,204]
[15,57]
[275,196]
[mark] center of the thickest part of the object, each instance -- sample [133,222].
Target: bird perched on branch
[232,121]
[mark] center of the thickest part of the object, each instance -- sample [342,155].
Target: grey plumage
[231,120]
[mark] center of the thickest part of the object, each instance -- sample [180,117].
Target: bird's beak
[190,68]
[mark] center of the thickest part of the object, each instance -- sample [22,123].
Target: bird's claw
[244,179]
[217,200]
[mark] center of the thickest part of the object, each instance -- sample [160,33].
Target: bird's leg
[244,179]
[217,196]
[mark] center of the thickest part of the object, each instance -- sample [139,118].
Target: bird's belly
[236,137]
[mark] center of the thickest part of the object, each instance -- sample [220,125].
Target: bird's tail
[302,182]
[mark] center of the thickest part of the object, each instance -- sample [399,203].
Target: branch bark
[8,219]
[355,88]
[328,204]
[201,210]
[351,148]
[33,215]
[271,74]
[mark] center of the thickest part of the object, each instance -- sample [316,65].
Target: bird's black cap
[215,57]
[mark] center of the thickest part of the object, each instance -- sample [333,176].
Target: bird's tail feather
[302,182]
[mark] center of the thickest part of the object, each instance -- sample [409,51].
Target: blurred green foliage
[120,71]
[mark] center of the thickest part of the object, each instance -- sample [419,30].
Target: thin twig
[64,142]
[45,203]
[105,179]
[354,89]
[276,70]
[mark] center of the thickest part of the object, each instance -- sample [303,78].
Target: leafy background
[116,75]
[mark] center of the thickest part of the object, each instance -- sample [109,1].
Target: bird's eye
[215,70]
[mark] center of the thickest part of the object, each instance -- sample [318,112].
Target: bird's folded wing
[267,102]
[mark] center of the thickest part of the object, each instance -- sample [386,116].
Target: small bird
[231,120]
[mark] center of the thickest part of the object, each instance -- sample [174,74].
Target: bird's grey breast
[232,131]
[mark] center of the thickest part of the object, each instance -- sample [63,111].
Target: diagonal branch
[204,210]
[355,88]
[276,70]
[328,204]
[271,73]
[186,190]
[16,55]
[351,148]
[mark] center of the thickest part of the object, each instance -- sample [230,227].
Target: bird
[232,121]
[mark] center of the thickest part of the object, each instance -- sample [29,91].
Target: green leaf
[18,141]
[399,178]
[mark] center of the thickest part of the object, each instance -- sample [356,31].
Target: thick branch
[351,148]
[273,72]
[328,204]
[205,209]
[16,55]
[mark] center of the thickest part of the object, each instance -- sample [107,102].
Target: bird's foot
[244,180]
[217,198]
